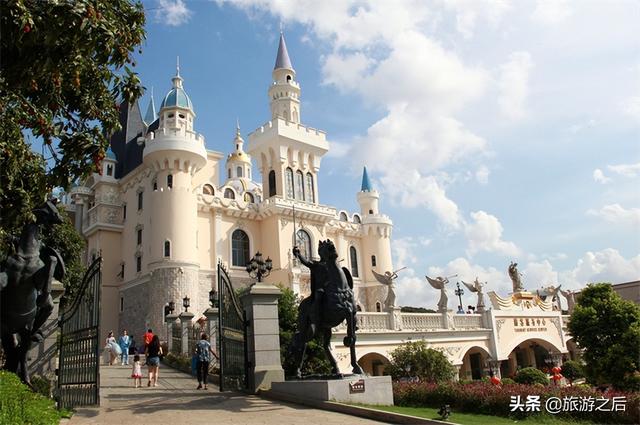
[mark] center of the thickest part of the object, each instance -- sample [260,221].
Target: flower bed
[488,399]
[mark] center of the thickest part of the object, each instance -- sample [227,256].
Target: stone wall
[134,316]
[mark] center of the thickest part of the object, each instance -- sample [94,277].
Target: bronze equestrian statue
[330,303]
[25,286]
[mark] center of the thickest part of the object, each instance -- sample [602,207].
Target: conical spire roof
[150,116]
[282,60]
[366,183]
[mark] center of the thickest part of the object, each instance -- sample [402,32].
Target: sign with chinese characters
[356,386]
[526,324]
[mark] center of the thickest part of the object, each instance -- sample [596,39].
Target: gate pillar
[212,314]
[263,336]
[170,319]
[185,323]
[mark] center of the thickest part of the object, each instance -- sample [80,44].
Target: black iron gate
[78,374]
[234,362]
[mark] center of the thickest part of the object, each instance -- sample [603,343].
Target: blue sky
[494,130]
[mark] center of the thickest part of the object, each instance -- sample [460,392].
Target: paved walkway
[176,401]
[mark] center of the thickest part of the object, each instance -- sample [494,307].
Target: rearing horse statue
[330,303]
[25,287]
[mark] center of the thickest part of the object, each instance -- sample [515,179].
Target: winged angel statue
[387,279]
[440,283]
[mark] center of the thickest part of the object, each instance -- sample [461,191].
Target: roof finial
[237,126]
[281,27]
[178,66]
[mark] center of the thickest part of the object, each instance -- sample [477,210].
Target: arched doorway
[474,364]
[373,364]
[536,353]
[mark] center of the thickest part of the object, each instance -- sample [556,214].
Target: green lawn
[473,419]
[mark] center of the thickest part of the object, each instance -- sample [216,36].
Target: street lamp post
[259,268]
[459,292]
[186,302]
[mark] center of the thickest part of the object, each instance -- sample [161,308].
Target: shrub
[508,381]
[531,376]
[414,359]
[572,370]
[20,405]
[41,385]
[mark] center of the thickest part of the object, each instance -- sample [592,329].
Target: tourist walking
[153,353]
[203,351]
[125,342]
[113,348]
[148,336]
[136,371]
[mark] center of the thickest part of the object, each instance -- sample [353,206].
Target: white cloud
[482,175]
[172,12]
[484,233]
[539,275]
[403,251]
[337,150]
[617,214]
[599,176]
[514,85]
[602,266]
[627,170]
[551,12]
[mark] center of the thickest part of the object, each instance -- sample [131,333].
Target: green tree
[66,67]
[316,361]
[415,359]
[67,241]
[572,370]
[607,328]
[531,375]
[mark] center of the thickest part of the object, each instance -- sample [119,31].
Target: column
[185,323]
[212,315]
[170,320]
[263,336]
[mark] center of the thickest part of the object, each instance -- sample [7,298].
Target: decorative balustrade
[421,321]
[373,321]
[467,321]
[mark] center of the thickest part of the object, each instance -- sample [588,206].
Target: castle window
[154,184]
[140,201]
[299,185]
[121,304]
[167,249]
[303,242]
[139,232]
[228,193]
[181,116]
[310,193]
[207,189]
[373,261]
[239,171]
[109,170]
[288,78]
[124,212]
[170,116]
[239,248]
[248,197]
[170,181]
[370,211]
[356,219]
[229,173]
[343,216]
[353,254]
[378,306]
[138,263]
[272,183]
[289,182]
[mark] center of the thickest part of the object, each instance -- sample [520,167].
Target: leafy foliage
[20,405]
[572,370]
[315,359]
[608,329]
[66,66]
[531,376]
[409,309]
[414,359]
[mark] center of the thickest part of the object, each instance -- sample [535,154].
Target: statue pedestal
[356,389]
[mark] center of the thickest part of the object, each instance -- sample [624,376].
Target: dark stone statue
[25,286]
[330,303]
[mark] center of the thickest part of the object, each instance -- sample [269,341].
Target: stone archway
[474,364]
[532,352]
[373,364]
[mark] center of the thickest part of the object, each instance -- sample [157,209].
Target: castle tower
[174,153]
[150,115]
[238,162]
[288,152]
[376,231]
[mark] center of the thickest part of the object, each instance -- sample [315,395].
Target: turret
[284,93]
[238,162]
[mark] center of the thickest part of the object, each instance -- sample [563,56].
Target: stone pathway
[176,401]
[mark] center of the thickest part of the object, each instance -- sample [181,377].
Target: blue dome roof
[176,97]
[110,153]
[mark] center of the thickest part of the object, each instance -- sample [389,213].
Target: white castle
[165,209]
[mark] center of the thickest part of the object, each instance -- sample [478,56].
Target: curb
[363,412]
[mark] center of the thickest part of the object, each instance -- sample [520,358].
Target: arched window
[343,216]
[154,184]
[373,261]
[378,306]
[207,189]
[239,171]
[228,193]
[167,249]
[356,219]
[309,192]
[299,185]
[272,183]
[229,173]
[170,181]
[303,242]
[248,197]
[353,254]
[289,182]
[239,248]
